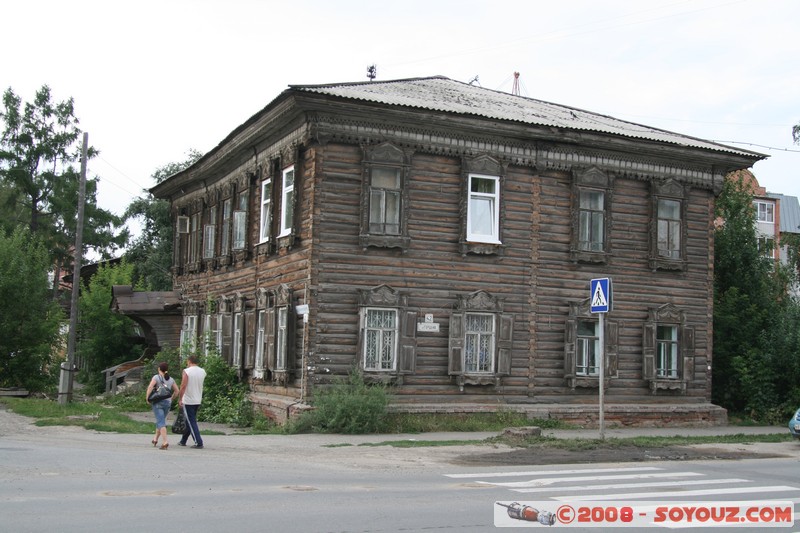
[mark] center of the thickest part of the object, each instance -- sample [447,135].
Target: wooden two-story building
[441,237]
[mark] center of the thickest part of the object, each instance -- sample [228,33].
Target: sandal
[165,446]
[155,443]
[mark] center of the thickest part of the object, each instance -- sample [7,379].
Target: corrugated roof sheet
[446,95]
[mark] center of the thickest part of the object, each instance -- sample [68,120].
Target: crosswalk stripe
[682,483]
[553,472]
[678,493]
[552,481]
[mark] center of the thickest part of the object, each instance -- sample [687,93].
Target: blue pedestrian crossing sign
[600,295]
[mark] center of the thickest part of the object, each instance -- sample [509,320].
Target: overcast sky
[153,79]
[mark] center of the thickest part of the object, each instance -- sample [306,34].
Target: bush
[348,406]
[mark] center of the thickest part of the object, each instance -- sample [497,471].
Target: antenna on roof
[372,72]
[474,80]
[515,87]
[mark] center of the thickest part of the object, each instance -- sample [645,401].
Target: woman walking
[161,406]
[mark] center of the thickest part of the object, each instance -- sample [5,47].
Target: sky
[152,80]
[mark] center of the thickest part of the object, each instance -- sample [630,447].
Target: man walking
[191,396]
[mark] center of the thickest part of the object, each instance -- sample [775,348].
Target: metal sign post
[600,302]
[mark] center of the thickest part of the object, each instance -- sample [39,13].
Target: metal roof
[443,94]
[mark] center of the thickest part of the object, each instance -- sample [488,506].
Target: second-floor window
[384,200]
[209,231]
[483,209]
[287,201]
[669,228]
[765,211]
[266,211]
[194,238]
[225,233]
[591,223]
[240,222]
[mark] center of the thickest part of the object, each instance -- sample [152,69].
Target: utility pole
[68,368]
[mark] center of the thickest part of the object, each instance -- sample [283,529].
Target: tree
[29,319]
[751,311]
[105,338]
[39,148]
[151,252]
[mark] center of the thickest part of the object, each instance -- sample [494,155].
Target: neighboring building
[441,237]
[788,219]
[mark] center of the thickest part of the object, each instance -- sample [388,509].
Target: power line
[758,145]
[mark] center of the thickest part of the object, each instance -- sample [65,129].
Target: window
[587,348]
[238,324]
[591,216]
[765,211]
[483,215]
[387,338]
[266,211]
[287,201]
[194,238]
[208,233]
[281,338]
[240,222]
[212,340]
[668,350]
[225,234]
[766,246]
[480,340]
[380,342]
[261,340]
[384,201]
[669,228]
[189,333]
[591,224]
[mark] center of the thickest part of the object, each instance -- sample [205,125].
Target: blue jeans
[190,411]
[160,409]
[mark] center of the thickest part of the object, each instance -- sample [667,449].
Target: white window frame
[266,205]
[474,338]
[287,201]
[386,339]
[238,318]
[587,348]
[493,235]
[189,333]
[765,212]
[667,353]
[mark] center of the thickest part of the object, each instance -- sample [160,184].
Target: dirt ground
[624,454]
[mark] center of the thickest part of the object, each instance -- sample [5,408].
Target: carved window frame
[671,190]
[290,158]
[486,167]
[480,303]
[386,298]
[580,311]
[385,156]
[591,180]
[667,315]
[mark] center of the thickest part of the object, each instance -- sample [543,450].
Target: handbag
[159,393]
[179,426]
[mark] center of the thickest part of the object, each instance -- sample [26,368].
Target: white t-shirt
[193,394]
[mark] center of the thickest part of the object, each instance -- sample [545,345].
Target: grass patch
[90,415]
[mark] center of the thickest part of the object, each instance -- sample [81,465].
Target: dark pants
[190,411]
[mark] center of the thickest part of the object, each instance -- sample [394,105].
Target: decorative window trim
[385,297]
[382,156]
[280,349]
[668,189]
[597,180]
[669,315]
[265,218]
[483,167]
[581,311]
[480,302]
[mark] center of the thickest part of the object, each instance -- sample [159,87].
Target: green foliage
[434,422]
[29,319]
[106,338]
[40,149]
[348,406]
[151,252]
[756,364]
[224,396]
